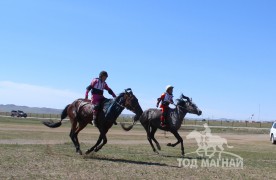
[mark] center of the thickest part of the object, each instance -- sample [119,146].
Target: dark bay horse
[80,114]
[150,120]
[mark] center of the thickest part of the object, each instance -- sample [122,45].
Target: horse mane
[180,101]
[120,95]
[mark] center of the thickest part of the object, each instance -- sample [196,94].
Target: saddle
[111,109]
[171,116]
[103,106]
[106,104]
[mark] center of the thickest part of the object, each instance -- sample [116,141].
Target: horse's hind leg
[80,127]
[74,136]
[74,123]
[153,130]
[147,128]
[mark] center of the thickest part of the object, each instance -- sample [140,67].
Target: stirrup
[163,124]
[94,123]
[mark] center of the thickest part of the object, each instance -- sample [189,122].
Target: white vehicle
[273,133]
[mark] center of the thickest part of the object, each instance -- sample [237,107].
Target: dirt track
[161,137]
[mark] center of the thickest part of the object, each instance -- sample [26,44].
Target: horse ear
[186,97]
[128,91]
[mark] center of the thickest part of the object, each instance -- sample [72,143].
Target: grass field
[30,150]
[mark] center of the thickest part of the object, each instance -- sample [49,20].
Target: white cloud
[35,96]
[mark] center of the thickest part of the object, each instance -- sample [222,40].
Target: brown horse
[150,120]
[80,114]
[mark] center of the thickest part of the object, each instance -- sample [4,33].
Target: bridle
[127,92]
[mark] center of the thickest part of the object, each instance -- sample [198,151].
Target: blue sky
[220,53]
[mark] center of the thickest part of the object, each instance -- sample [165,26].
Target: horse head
[129,100]
[188,105]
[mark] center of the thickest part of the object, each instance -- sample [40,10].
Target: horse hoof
[156,152]
[79,152]
[169,144]
[87,152]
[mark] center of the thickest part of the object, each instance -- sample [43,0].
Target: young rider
[166,99]
[98,85]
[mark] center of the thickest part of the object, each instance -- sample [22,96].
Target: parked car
[18,113]
[273,133]
[13,113]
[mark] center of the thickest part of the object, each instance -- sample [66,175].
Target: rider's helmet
[169,87]
[103,73]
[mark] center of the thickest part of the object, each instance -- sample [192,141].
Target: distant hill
[26,109]
[43,110]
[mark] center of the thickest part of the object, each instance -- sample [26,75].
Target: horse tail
[64,113]
[133,123]
[127,128]
[52,124]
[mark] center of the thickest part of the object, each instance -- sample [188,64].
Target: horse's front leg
[179,140]
[103,143]
[93,147]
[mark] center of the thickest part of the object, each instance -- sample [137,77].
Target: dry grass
[33,151]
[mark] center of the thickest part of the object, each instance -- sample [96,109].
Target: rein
[120,105]
[179,107]
[134,122]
